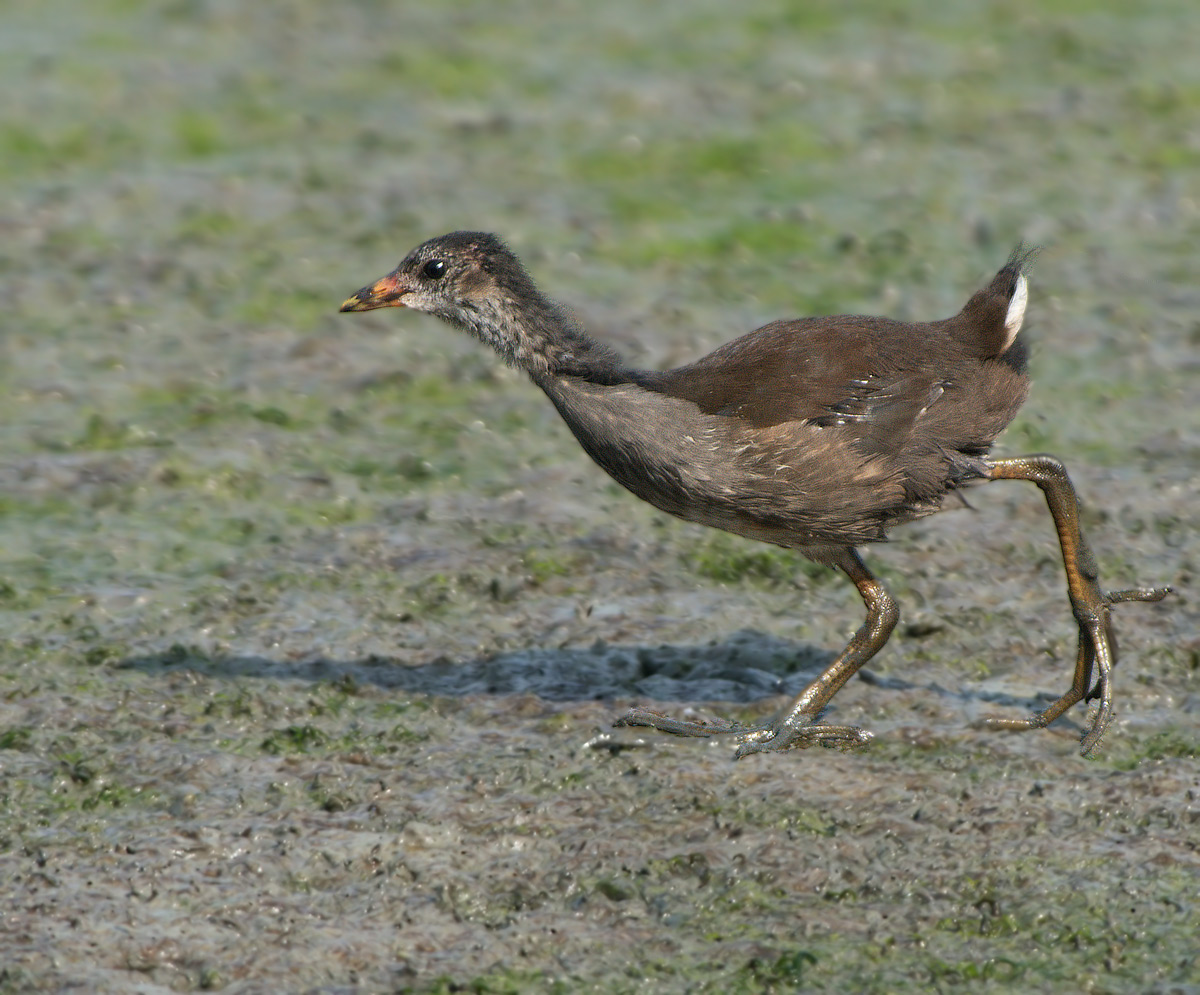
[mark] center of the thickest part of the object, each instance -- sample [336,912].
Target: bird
[816,434]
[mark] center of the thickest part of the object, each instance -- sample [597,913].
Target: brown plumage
[817,434]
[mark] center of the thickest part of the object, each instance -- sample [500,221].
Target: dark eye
[434,269]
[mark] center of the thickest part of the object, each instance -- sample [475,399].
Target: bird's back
[817,432]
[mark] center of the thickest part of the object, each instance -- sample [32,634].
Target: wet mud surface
[315,627]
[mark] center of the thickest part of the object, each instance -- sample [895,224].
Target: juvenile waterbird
[817,434]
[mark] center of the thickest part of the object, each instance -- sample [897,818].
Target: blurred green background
[206,470]
[193,187]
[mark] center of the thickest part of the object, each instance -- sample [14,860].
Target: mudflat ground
[314,626]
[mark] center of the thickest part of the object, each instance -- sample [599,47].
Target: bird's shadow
[747,666]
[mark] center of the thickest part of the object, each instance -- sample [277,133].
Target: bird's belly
[802,514]
[794,484]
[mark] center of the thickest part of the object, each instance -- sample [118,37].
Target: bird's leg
[796,727]
[1090,605]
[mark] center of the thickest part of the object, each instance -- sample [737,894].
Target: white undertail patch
[1016,310]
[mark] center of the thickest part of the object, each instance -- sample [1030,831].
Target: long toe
[801,737]
[700,726]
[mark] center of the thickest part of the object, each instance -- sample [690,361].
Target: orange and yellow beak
[387,292]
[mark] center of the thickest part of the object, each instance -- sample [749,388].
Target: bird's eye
[434,269]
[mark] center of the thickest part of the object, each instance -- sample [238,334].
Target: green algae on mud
[302,621]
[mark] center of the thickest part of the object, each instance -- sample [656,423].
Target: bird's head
[451,276]
[471,279]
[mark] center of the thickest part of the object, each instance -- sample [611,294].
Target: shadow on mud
[748,666]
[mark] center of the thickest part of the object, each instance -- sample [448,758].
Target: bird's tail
[989,324]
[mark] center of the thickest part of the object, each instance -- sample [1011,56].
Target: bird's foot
[781,734]
[1096,725]
[1095,651]
[788,734]
[1101,714]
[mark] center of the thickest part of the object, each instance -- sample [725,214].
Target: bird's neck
[537,335]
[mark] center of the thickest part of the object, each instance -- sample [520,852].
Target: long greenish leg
[796,726]
[1097,642]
